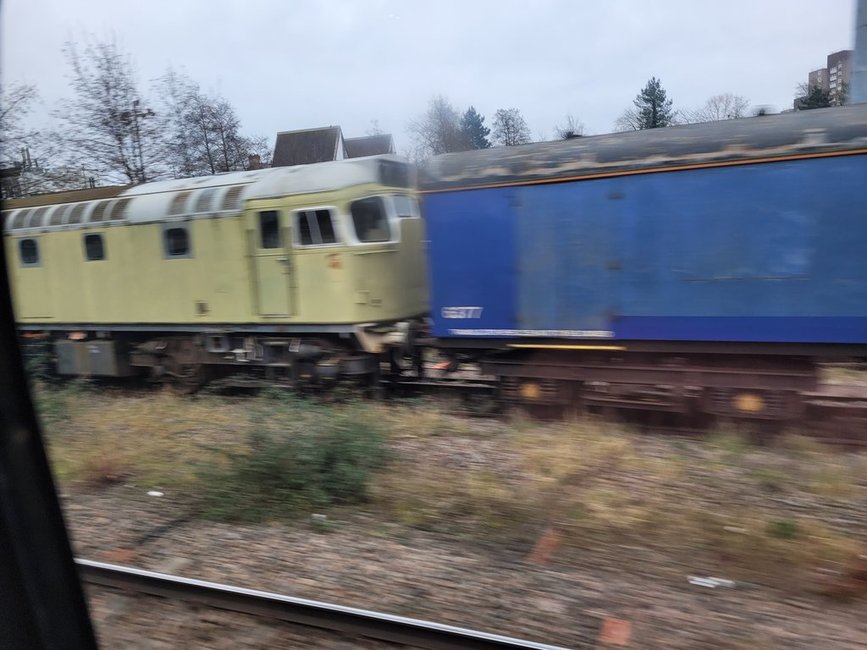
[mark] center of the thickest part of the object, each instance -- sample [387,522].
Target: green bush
[317,458]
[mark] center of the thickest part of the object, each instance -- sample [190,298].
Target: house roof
[370,145]
[306,146]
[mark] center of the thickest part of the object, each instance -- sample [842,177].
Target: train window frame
[272,238]
[166,244]
[414,211]
[28,259]
[91,253]
[387,210]
[297,229]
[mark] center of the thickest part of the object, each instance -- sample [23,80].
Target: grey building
[835,77]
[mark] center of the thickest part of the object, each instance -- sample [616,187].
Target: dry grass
[719,505]
[154,438]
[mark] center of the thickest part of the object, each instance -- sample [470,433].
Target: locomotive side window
[370,220]
[28,249]
[94,249]
[405,206]
[315,227]
[177,242]
[269,229]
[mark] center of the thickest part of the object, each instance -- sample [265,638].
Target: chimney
[254,161]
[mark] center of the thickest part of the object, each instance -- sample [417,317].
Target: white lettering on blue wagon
[461,312]
[566,334]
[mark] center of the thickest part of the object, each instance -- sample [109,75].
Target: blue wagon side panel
[771,252]
[567,242]
[473,257]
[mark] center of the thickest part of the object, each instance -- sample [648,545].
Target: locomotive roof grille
[35,219]
[118,210]
[204,199]
[77,212]
[232,198]
[58,214]
[18,220]
[100,212]
[179,202]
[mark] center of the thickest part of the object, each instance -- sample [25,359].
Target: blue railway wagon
[742,237]
[724,246]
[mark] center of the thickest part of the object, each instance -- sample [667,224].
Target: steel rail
[347,620]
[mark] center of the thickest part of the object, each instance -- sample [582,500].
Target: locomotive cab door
[272,263]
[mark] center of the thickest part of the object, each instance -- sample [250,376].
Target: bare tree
[203,132]
[107,126]
[629,120]
[717,108]
[510,128]
[374,128]
[260,152]
[570,128]
[438,130]
[16,102]
[174,91]
[31,158]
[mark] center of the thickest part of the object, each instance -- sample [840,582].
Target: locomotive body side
[241,268]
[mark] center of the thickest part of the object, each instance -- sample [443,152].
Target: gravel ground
[363,562]
[128,621]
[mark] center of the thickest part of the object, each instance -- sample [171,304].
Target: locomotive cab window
[28,249]
[370,220]
[315,227]
[94,249]
[177,242]
[269,229]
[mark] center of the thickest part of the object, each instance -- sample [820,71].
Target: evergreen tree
[814,97]
[652,109]
[474,130]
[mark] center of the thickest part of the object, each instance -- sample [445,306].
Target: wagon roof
[749,139]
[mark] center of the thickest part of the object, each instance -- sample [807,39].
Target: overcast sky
[292,64]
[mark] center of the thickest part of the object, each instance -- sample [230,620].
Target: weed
[783,529]
[770,480]
[38,360]
[324,461]
[733,442]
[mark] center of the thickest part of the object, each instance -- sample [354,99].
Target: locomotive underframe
[193,359]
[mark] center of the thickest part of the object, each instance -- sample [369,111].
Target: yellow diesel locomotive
[308,273]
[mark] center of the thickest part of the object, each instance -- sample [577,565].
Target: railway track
[352,622]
